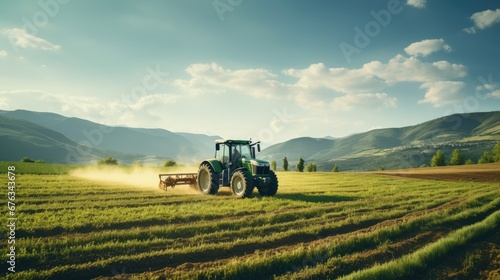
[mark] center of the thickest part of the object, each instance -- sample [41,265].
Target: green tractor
[235,166]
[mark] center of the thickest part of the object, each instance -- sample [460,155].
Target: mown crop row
[319,225]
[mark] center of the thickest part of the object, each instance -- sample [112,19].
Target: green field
[318,226]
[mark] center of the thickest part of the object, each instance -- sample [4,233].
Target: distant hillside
[148,142]
[395,148]
[304,147]
[21,138]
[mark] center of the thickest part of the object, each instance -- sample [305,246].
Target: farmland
[396,225]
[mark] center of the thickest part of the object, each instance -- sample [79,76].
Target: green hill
[126,140]
[395,148]
[20,138]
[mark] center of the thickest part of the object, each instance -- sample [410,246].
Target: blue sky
[267,70]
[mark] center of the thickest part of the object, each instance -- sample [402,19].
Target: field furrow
[319,225]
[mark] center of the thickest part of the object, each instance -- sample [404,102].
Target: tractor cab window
[245,151]
[223,154]
[240,151]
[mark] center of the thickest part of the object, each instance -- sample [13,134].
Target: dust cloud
[137,176]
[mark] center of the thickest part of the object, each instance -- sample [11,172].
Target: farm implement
[233,166]
[173,179]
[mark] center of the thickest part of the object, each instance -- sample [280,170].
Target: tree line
[300,167]
[458,158]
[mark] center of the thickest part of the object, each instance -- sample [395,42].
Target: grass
[318,226]
[407,265]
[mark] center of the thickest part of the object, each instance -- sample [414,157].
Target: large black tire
[208,180]
[270,188]
[241,184]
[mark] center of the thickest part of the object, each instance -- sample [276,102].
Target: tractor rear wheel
[271,187]
[241,184]
[208,180]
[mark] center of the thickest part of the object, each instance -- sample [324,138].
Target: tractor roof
[227,141]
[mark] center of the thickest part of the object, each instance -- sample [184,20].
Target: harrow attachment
[173,179]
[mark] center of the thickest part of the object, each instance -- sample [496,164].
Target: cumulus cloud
[442,93]
[491,89]
[125,110]
[31,100]
[483,20]
[318,86]
[213,78]
[3,53]
[363,100]
[338,79]
[495,94]
[403,69]
[416,3]
[426,47]
[19,37]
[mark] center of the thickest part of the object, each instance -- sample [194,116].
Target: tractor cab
[232,153]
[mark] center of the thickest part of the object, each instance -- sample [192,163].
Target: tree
[27,159]
[169,163]
[273,165]
[311,167]
[485,158]
[469,161]
[335,168]
[300,165]
[380,168]
[107,161]
[438,159]
[285,164]
[457,158]
[496,152]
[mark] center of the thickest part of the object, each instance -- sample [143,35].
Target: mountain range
[394,148]
[59,139]
[55,138]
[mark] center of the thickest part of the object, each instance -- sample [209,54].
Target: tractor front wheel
[241,184]
[271,187]
[208,180]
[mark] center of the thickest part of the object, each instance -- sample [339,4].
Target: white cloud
[36,99]
[124,111]
[363,100]
[320,87]
[442,93]
[154,100]
[212,78]
[492,90]
[416,3]
[403,69]
[338,79]
[483,20]
[495,94]
[3,53]
[19,37]
[426,47]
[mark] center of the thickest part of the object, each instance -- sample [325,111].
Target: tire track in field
[217,257]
